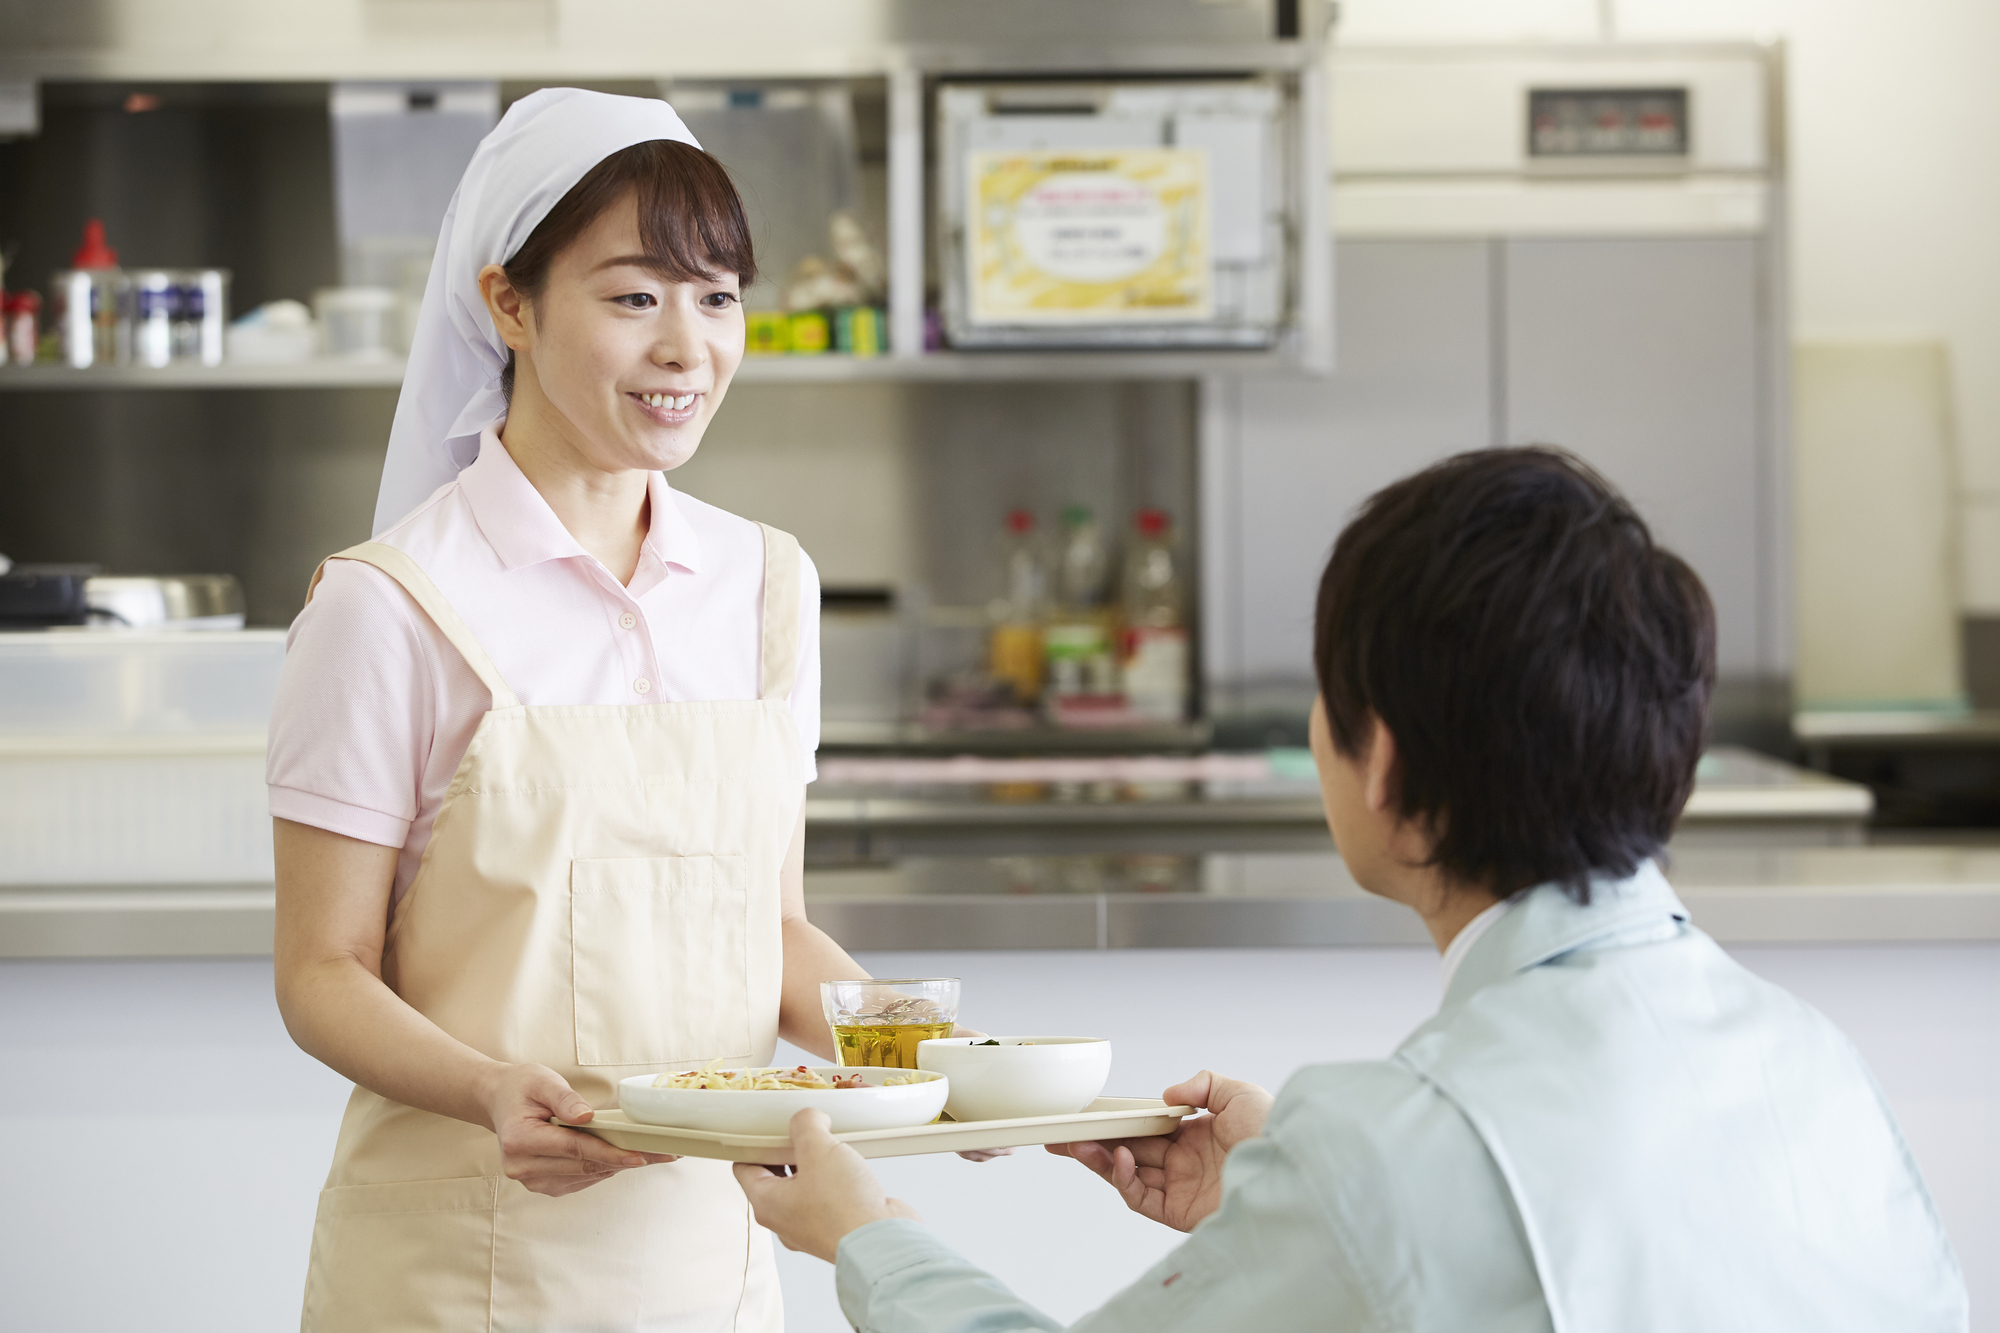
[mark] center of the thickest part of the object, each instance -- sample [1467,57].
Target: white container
[80,683]
[359,323]
[141,812]
[277,331]
[136,757]
[1022,1076]
[156,299]
[770,1110]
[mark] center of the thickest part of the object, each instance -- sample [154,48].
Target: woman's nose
[680,341]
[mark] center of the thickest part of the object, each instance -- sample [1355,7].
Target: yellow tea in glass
[880,1021]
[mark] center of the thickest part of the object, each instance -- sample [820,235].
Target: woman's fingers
[546,1140]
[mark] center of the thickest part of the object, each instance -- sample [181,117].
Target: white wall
[162,1142]
[1894,129]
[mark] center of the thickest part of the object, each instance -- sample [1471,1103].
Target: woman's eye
[637,300]
[721,300]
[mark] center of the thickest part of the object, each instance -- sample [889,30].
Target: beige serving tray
[1105,1118]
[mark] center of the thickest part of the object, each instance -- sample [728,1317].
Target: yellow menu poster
[1070,237]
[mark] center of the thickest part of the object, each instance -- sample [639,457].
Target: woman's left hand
[829,1193]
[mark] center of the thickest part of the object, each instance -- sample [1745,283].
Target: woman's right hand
[549,1159]
[1176,1179]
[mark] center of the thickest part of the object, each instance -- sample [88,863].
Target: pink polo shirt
[375,709]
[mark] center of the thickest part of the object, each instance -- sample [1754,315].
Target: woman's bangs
[691,220]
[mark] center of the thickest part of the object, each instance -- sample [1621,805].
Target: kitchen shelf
[825,369]
[320,374]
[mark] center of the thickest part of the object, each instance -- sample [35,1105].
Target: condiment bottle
[1156,645]
[1018,609]
[90,304]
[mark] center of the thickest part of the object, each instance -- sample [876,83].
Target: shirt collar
[669,536]
[518,523]
[1544,922]
[1468,935]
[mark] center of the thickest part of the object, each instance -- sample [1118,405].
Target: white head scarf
[541,148]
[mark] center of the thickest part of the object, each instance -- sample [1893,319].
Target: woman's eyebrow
[665,268]
[629,261]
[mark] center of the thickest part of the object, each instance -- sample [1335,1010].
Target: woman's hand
[548,1159]
[1176,1178]
[828,1194]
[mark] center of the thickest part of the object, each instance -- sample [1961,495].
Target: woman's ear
[509,309]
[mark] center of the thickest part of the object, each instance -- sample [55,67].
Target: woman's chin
[660,450]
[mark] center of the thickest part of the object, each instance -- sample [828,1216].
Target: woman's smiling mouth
[668,409]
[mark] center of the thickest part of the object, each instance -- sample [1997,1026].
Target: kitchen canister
[178,314]
[359,323]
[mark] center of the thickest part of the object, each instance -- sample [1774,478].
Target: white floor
[163,1141]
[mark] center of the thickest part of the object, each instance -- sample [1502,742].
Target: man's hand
[828,1194]
[1176,1178]
[549,1159]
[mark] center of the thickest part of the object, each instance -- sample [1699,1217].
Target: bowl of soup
[1011,1078]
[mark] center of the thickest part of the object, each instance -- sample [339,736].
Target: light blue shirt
[1609,1127]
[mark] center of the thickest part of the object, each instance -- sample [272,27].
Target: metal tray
[1105,1118]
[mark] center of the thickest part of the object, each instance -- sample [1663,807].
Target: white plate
[770,1110]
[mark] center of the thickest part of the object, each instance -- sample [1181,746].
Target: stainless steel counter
[1740,895]
[1740,798]
[1765,852]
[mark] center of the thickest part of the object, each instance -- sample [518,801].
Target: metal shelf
[824,369]
[321,374]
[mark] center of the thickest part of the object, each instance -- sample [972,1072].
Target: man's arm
[1265,1260]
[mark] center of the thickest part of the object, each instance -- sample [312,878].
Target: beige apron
[599,895]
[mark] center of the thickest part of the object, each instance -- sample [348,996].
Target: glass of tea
[880,1021]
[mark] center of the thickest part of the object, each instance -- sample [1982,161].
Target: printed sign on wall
[1119,236]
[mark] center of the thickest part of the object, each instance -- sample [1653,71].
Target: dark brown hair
[691,221]
[1544,668]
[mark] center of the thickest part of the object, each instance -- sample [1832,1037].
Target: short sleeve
[355,713]
[805,692]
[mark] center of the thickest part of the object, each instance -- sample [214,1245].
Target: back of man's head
[1544,668]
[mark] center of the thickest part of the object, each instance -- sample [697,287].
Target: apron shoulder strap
[780,654]
[410,575]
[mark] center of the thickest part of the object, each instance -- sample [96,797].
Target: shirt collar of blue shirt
[1545,922]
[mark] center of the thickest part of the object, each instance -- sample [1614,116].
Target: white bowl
[770,1110]
[1022,1076]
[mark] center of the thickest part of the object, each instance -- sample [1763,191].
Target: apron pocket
[658,963]
[414,1254]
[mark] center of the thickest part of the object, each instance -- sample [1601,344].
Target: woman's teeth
[668,400]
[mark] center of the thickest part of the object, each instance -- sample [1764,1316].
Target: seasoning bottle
[1018,609]
[90,304]
[1078,640]
[21,312]
[1156,643]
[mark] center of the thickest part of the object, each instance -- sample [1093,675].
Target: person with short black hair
[1609,1124]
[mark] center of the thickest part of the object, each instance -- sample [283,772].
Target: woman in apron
[538,760]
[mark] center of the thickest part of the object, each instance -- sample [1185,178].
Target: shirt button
[642,685]
[627,621]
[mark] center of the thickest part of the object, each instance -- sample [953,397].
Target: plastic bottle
[1156,643]
[1078,641]
[1019,608]
[91,304]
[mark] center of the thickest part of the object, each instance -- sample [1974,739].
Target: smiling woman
[689,225]
[623,318]
[537,763]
